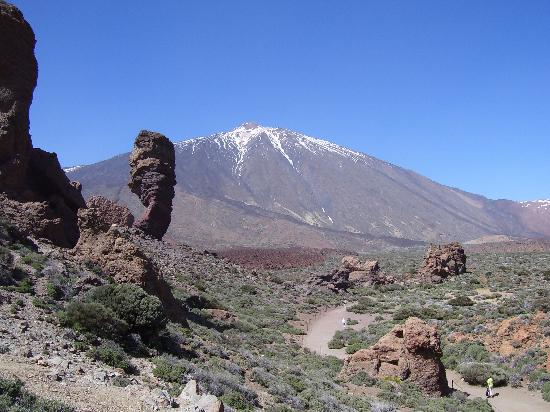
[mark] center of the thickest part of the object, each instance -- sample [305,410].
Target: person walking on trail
[344,322]
[490,387]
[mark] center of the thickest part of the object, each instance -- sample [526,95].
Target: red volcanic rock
[409,352]
[367,272]
[18,75]
[114,249]
[152,178]
[110,212]
[38,197]
[441,262]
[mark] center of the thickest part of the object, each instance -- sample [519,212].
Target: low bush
[94,318]
[463,352]
[476,373]
[461,301]
[363,379]
[111,354]
[113,311]
[170,369]
[13,398]
[142,312]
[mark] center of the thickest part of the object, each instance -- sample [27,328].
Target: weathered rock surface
[111,213]
[410,352]
[443,261]
[152,178]
[367,272]
[38,197]
[337,280]
[114,248]
[191,400]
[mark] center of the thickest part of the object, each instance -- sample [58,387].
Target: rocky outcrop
[115,250]
[409,352]
[38,198]
[191,400]
[152,178]
[443,261]
[337,281]
[367,273]
[111,213]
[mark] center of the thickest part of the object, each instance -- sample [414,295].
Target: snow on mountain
[270,186]
[240,140]
[536,204]
[72,168]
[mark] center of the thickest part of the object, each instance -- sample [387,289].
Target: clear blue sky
[458,91]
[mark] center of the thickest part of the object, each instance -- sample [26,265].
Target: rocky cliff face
[37,196]
[152,178]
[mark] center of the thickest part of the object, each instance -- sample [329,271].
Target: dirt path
[508,400]
[83,395]
[322,328]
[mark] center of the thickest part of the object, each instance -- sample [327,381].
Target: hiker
[344,322]
[489,392]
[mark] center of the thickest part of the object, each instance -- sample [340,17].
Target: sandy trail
[322,328]
[508,400]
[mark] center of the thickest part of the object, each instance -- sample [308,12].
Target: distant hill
[263,187]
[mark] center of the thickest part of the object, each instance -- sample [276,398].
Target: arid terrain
[103,306]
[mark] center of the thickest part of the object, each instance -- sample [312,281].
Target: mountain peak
[249,125]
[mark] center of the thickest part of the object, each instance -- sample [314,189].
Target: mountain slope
[268,186]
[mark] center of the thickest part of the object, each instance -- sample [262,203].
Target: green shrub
[94,318]
[25,285]
[35,260]
[143,313]
[248,289]
[364,305]
[236,400]
[337,341]
[54,291]
[170,369]
[363,379]
[461,301]
[476,373]
[354,347]
[463,352]
[546,391]
[13,398]
[296,382]
[111,354]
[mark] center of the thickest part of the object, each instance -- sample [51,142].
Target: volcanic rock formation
[111,213]
[367,272]
[441,262]
[106,241]
[38,198]
[152,178]
[409,352]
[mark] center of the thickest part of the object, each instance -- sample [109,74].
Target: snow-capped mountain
[267,186]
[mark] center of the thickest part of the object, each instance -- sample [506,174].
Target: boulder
[37,197]
[409,352]
[443,261]
[336,280]
[152,178]
[191,400]
[367,272]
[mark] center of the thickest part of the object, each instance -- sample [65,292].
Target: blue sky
[458,91]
